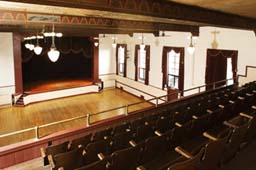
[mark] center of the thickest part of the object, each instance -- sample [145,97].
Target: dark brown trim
[163,9]
[17,63]
[88,25]
[95,63]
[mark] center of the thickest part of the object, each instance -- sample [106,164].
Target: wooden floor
[18,118]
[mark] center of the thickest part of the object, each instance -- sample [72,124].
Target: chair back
[190,164]
[126,159]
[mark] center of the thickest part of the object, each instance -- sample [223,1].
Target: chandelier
[114,42]
[53,54]
[191,47]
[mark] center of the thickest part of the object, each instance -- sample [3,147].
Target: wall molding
[246,71]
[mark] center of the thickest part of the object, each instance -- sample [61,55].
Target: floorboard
[18,118]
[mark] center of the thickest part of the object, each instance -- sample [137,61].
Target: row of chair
[150,140]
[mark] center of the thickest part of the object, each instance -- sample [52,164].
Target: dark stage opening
[73,68]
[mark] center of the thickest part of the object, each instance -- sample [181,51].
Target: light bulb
[38,50]
[114,45]
[191,49]
[53,54]
[96,44]
[31,47]
[27,45]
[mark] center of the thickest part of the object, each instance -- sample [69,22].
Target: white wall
[7,81]
[241,40]
[251,74]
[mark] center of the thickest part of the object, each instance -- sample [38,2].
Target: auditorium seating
[191,164]
[200,133]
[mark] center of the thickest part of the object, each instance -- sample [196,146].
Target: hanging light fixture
[114,43]
[38,49]
[191,47]
[30,45]
[96,44]
[53,54]
[27,45]
[142,45]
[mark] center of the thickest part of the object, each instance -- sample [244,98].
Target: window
[173,69]
[142,64]
[121,60]
[121,50]
[229,72]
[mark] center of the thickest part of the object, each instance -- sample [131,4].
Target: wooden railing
[125,109]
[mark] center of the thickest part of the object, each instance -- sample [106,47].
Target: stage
[54,85]
[52,89]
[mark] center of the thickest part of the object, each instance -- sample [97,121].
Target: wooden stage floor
[52,85]
[19,118]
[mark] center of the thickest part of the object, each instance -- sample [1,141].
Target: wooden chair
[143,132]
[95,148]
[163,124]
[191,164]
[103,134]
[98,165]
[81,142]
[213,152]
[122,128]
[121,140]
[52,150]
[126,159]
[232,147]
[69,160]
[158,153]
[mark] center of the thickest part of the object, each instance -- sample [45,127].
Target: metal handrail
[63,121]
[36,128]
[17,132]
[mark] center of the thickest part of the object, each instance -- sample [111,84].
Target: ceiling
[245,8]
[90,17]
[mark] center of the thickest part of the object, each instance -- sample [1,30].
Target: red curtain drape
[125,58]
[147,48]
[137,47]
[216,66]
[166,50]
